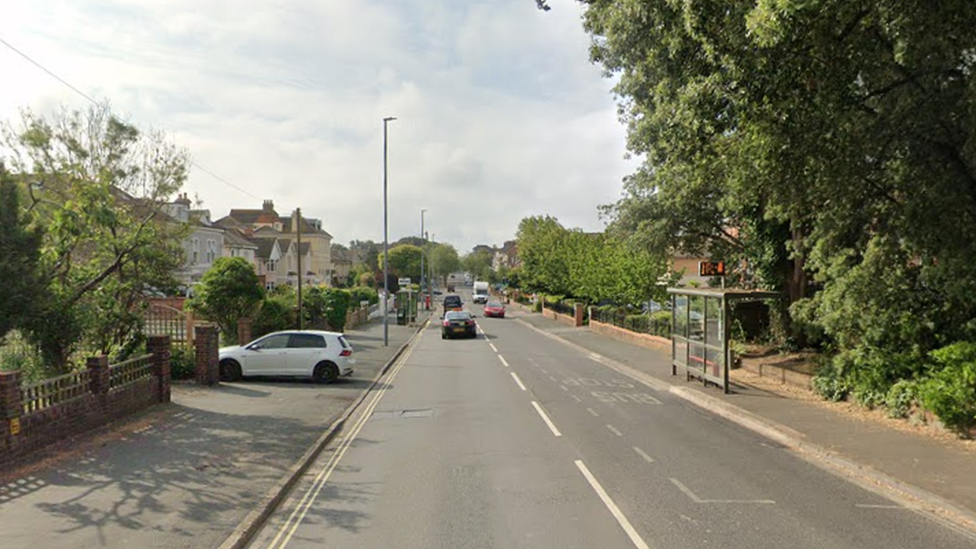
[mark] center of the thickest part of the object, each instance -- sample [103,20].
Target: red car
[494,309]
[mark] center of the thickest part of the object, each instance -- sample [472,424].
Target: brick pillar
[10,405]
[159,347]
[100,382]
[578,314]
[207,366]
[243,331]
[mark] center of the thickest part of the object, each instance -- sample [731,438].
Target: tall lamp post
[386,243]
[422,252]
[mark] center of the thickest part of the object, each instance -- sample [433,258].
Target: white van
[480,293]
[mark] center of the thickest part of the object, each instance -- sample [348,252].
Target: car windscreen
[452,301]
[494,305]
[458,315]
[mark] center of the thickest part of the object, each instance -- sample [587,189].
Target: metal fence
[56,390]
[165,320]
[564,307]
[654,324]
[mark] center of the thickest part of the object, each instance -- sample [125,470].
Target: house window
[194,251]
[211,251]
[271,265]
[269,286]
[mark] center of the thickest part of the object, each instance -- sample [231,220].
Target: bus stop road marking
[694,497]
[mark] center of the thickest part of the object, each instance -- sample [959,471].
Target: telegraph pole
[386,244]
[301,316]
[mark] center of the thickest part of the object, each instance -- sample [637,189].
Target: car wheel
[230,370]
[325,372]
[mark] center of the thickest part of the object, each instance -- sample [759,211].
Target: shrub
[182,362]
[901,398]
[951,392]
[661,323]
[537,307]
[363,293]
[637,323]
[830,383]
[275,313]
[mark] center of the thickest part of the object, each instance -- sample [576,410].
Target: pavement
[923,470]
[516,439]
[187,473]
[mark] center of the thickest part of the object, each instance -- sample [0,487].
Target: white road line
[545,418]
[541,370]
[687,491]
[517,380]
[873,506]
[493,348]
[576,398]
[644,455]
[552,378]
[614,430]
[592,412]
[501,358]
[298,514]
[614,510]
[564,388]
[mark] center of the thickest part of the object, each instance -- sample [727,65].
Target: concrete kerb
[245,531]
[912,497]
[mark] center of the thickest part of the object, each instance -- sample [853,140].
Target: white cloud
[500,114]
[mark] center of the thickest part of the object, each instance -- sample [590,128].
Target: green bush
[830,383]
[638,323]
[661,324]
[363,293]
[182,362]
[537,307]
[901,398]
[950,393]
[275,313]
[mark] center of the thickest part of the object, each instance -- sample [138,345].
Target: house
[342,263]
[506,257]
[276,238]
[204,243]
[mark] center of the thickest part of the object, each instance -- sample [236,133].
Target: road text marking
[614,430]
[564,388]
[517,380]
[644,455]
[545,418]
[687,491]
[592,412]
[614,510]
[576,398]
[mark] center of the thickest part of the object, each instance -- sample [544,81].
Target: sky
[500,114]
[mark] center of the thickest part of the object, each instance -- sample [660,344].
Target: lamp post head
[389,118]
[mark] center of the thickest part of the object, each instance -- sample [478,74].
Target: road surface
[514,440]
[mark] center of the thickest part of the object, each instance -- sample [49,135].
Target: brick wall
[644,340]
[96,406]
[207,363]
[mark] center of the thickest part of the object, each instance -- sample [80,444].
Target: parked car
[494,309]
[322,356]
[458,323]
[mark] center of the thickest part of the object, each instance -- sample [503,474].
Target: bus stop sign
[711,268]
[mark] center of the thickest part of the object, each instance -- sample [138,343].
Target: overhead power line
[94,102]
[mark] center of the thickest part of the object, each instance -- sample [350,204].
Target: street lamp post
[386,243]
[423,250]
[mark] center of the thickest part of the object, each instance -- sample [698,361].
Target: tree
[19,257]
[541,247]
[369,251]
[445,259]
[98,185]
[404,261]
[229,291]
[478,264]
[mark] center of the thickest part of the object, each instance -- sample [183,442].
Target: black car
[452,303]
[458,323]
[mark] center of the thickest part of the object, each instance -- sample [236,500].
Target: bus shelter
[701,320]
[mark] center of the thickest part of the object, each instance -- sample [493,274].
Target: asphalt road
[515,440]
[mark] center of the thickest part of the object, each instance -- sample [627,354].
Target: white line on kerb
[501,358]
[614,430]
[614,510]
[517,380]
[644,455]
[545,418]
[592,412]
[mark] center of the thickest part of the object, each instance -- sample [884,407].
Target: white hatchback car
[322,356]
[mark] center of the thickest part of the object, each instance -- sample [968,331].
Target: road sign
[711,268]
[403,281]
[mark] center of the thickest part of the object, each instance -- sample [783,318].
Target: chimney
[183,200]
[268,206]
